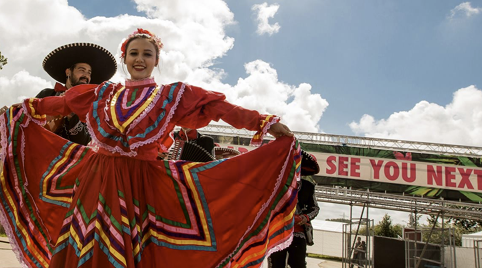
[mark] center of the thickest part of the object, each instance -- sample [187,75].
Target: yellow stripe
[112,107]
[112,250]
[163,237]
[257,254]
[197,200]
[124,220]
[62,238]
[30,246]
[53,171]
[285,219]
[136,250]
[87,247]
[34,113]
[123,126]
[74,235]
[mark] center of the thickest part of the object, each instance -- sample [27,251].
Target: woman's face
[140,58]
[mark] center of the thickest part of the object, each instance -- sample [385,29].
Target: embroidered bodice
[135,119]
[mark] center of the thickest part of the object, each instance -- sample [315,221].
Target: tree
[459,228]
[3,61]
[413,219]
[385,228]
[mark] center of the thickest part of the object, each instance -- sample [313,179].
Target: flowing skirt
[64,205]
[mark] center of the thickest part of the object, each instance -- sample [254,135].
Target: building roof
[331,226]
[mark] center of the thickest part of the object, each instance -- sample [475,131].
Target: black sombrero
[223,152]
[309,164]
[101,61]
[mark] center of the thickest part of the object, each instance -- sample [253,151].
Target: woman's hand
[3,109]
[278,129]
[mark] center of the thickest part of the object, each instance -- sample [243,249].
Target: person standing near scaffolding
[359,253]
[306,210]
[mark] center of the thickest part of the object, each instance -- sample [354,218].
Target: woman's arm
[76,100]
[198,107]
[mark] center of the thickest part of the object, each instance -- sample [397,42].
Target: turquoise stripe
[160,117]
[52,164]
[95,115]
[121,139]
[17,232]
[107,253]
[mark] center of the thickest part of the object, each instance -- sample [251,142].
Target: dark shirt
[72,129]
[308,206]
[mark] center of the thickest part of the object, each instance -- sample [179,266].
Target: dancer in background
[75,64]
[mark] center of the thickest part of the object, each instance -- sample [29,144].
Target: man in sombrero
[306,210]
[75,64]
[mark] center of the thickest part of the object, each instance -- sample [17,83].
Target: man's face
[79,75]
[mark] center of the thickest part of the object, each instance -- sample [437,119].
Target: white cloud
[261,90]
[460,122]
[24,85]
[464,10]
[193,33]
[266,12]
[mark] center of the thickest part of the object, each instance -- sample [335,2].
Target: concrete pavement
[7,257]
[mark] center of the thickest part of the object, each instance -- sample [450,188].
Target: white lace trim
[281,245]
[146,111]
[265,129]
[132,147]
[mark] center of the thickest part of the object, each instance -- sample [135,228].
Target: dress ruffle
[68,205]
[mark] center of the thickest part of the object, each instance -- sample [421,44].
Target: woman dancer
[67,205]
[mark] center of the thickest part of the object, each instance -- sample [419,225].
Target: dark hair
[150,39]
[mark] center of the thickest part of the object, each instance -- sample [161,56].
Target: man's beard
[75,82]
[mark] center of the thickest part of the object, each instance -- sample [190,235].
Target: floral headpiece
[141,32]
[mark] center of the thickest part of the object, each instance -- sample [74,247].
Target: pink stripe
[85,229]
[138,99]
[146,111]
[112,230]
[266,204]
[55,179]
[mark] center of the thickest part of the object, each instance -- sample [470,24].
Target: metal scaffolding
[365,142]
[420,205]
[350,197]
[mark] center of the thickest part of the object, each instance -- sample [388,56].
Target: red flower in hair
[140,32]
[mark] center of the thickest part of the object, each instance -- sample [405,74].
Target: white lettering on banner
[401,172]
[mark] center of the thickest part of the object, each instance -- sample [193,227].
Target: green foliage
[413,220]
[3,61]
[458,227]
[467,225]
[385,228]
[2,231]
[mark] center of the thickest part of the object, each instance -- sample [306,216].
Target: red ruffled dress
[115,205]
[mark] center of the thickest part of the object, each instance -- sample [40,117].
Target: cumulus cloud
[464,10]
[264,13]
[460,122]
[20,86]
[261,90]
[193,33]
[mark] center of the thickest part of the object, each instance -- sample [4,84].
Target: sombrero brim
[309,165]
[222,152]
[101,61]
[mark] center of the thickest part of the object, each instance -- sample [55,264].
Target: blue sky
[363,57]
[406,70]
